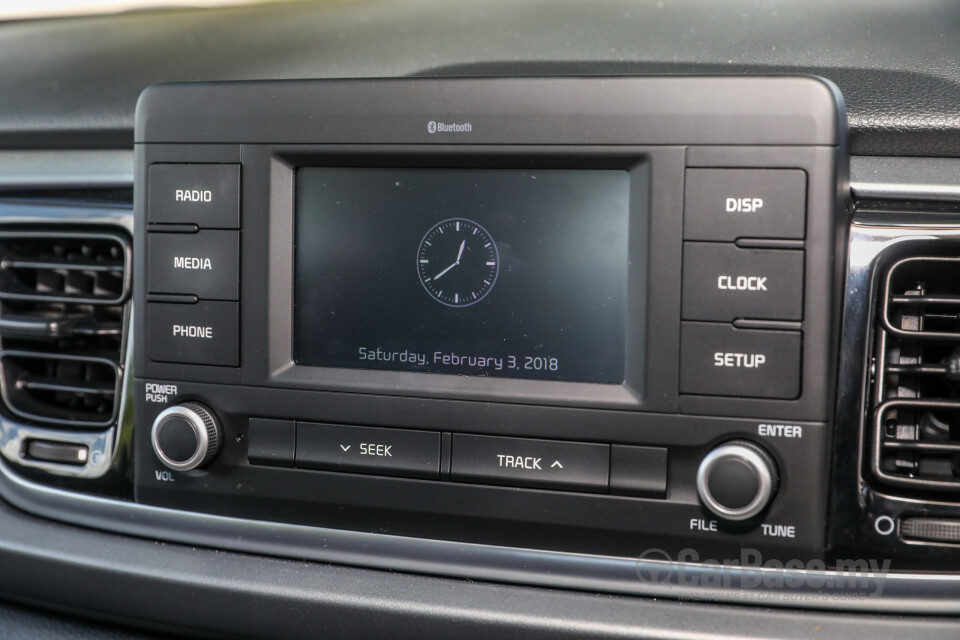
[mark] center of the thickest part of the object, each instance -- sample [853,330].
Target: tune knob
[186,436]
[737,480]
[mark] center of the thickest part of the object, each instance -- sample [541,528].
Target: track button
[519,462]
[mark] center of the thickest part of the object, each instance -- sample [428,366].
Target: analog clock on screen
[458,262]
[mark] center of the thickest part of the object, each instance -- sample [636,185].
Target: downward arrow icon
[346,448]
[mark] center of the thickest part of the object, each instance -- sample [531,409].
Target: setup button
[518,462]
[719,360]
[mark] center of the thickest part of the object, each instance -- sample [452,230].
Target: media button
[202,333]
[519,462]
[719,360]
[205,264]
[727,204]
[722,282]
[388,452]
[207,195]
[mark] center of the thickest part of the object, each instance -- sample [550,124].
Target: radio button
[719,360]
[207,195]
[726,204]
[722,282]
[202,333]
[205,264]
[519,462]
[388,452]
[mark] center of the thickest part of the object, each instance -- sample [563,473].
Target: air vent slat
[924,446]
[61,265]
[63,306]
[917,369]
[78,387]
[925,300]
[916,412]
[28,327]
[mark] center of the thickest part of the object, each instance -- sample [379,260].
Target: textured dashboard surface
[22,622]
[75,82]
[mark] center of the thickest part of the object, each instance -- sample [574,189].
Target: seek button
[389,452]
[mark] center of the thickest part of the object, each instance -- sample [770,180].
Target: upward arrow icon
[556,464]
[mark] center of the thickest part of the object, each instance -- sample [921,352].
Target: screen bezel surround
[654,246]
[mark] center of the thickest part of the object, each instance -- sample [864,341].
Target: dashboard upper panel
[75,82]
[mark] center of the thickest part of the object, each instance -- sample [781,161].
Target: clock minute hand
[460,253]
[439,275]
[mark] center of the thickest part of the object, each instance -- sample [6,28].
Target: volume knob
[186,436]
[737,480]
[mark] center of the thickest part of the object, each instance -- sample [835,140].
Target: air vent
[63,267]
[62,311]
[916,399]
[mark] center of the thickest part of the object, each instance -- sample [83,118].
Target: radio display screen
[480,272]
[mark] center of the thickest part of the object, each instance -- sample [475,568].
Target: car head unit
[588,314]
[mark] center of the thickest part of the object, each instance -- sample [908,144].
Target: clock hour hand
[439,275]
[459,254]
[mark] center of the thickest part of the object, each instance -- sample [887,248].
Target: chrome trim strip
[100,446]
[89,169]
[905,178]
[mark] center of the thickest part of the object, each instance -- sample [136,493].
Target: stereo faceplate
[725,310]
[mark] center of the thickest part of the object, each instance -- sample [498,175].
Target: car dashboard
[370,319]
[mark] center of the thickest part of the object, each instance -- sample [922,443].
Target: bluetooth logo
[431,127]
